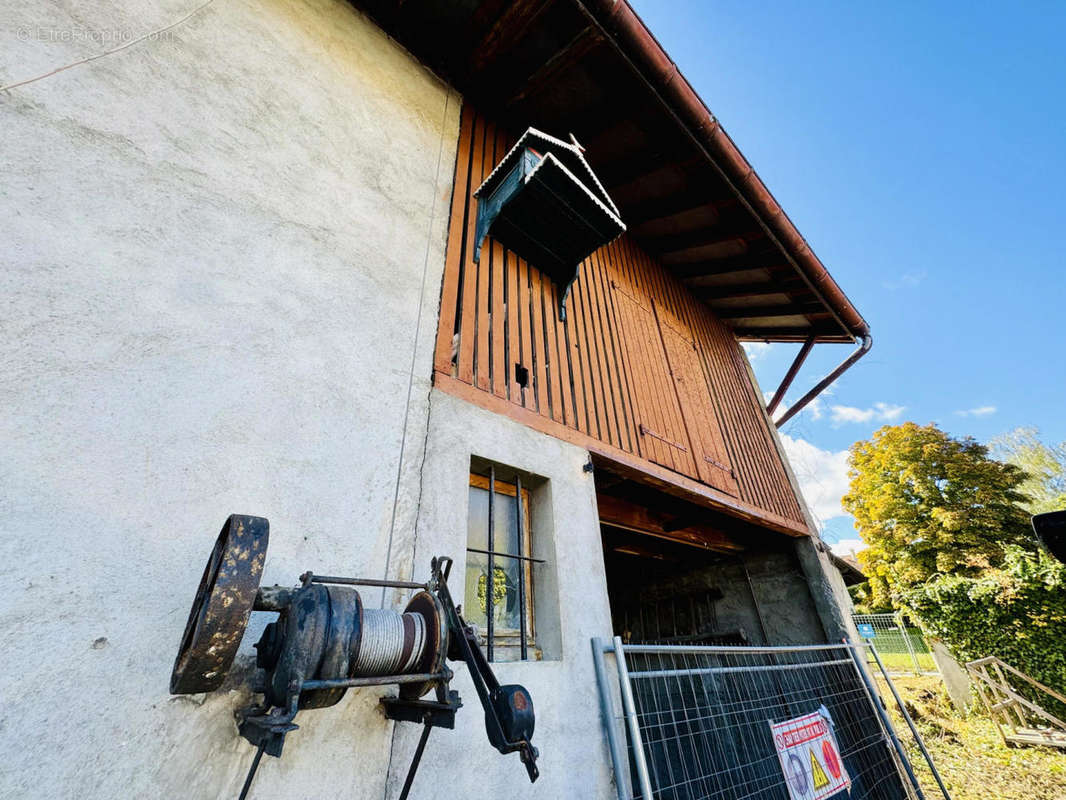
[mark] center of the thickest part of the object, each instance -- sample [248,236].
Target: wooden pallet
[1020,721]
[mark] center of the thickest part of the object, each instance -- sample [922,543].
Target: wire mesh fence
[701,722]
[902,647]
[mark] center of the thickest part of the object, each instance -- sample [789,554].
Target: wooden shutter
[677,425]
[663,437]
[705,436]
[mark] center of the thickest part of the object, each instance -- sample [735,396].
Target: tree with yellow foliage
[930,504]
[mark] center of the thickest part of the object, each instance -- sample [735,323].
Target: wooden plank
[704,407]
[748,404]
[676,426]
[671,425]
[611,276]
[499,311]
[604,409]
[579,351]
[514,331]
[635,359]
[482,315]
[551,353]
[442,358]
[467,325]
[537,371]
[695,393]
[573,359]
[604,306]
[649,362]
[743,445]
[605,343]
[525,333]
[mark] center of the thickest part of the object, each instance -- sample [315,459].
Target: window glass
[507,606]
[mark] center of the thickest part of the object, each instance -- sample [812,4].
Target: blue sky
[921,149]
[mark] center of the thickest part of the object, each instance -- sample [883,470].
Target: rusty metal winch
[324,642]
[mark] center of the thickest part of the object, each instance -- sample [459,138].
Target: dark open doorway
[678,573]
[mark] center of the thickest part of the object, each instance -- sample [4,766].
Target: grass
[893,649]
[968,751]
[903,663]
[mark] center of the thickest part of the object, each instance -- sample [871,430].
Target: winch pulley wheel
[223,602]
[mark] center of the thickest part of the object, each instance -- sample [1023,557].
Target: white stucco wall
[211,275]
[572,608]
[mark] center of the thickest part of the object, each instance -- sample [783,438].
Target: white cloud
[908,280]
[822,475]
[756,350]
[847,547]
[842,414]
[882,412]
[980,411]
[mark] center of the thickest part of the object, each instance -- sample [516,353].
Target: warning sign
[810,757]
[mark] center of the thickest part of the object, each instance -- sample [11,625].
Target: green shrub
[1016,611]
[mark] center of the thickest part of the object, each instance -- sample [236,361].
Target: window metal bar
[490,580]
[521,567]
[500,554]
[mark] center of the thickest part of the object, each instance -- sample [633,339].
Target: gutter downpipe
[864,347]
[637,45]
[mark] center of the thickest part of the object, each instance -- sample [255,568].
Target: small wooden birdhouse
[544,203]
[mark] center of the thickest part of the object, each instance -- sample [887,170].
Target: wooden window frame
[511,637]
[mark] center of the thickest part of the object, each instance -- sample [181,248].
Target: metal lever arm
[488,688]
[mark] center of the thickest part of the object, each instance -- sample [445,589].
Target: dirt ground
[969,753]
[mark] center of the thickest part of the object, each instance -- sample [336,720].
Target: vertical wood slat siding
[636,347]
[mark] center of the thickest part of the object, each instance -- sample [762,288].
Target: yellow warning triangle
[818,776]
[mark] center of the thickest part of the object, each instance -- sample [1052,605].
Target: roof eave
[623,26]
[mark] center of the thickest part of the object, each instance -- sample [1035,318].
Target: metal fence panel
[698,720]
[902,647]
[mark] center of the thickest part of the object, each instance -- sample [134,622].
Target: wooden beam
[681,522]
[505,32]
[634,517]
[636,214]
[585,40]
[792,333]
[721,291]
[760,255]
[734,221]
[701,217]
[786,310]
[643,169]
[718,244]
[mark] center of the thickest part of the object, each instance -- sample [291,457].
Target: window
[504,617]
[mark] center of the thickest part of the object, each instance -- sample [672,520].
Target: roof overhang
[687,194]
[849,569]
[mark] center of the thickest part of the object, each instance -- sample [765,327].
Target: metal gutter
[624,27]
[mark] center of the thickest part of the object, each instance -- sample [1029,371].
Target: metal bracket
[864,347]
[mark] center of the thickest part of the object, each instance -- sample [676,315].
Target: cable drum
[392,643]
